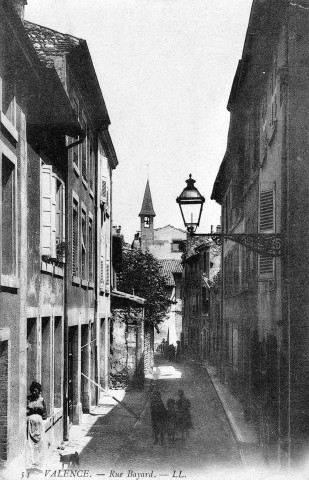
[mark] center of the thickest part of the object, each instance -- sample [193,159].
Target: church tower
[147,215]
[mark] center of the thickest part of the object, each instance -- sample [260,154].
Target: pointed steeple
[147,207]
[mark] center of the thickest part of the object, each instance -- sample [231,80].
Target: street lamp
[191,203]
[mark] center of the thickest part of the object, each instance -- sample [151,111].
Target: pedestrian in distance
[158,416]
[184,414]
[178,351]
[171,420]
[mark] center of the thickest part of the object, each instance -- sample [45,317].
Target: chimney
[19,7]
[218,229]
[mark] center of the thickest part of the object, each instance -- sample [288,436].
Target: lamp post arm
[263,243]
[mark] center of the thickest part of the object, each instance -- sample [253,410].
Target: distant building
[201,262]
[165,244]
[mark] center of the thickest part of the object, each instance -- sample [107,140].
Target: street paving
[113,444]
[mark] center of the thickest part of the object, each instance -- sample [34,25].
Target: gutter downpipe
[95,260]
[286,136]
[285,367]
[65,399]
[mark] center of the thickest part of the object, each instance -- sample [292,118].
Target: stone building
[262,186]
[57,159]
[201,263]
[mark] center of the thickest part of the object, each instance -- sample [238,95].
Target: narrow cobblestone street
[111,441]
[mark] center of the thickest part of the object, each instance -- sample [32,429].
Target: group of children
[176,416]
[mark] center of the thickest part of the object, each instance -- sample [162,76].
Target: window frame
[9,280]
[52,261]
[83,243]
[90,250]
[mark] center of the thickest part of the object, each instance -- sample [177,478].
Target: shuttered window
[46,210]
[267,224]
[75,227]
[266,265]
[83,150]
[53,213]
[103,190]
[91,164]
[266,211]
[107,272]
[90,249]
[84,245]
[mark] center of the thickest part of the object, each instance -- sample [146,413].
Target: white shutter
[63,220]
[103,190]
[46,240]
[107,275]
[53,216]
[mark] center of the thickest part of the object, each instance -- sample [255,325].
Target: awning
[119,298]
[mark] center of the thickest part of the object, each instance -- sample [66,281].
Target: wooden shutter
[267,224]
[103,190]
[267,211]
[46,239]
[75,269]
[107,272]
[53,215]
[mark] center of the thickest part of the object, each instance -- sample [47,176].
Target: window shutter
[107,271]
[103,190]
[102,271]
[266,265]
[266,211]
[63,211]
[46,239]
[75,269]
[53,216]
[267,224]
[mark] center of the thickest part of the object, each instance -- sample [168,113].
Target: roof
[147,207]
[53,46]
[170,226]
[49,43]
[45,99]
[128,297]
[169,267]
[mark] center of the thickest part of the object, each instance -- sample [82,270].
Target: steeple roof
[147,207]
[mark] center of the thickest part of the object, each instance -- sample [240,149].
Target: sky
[165,68]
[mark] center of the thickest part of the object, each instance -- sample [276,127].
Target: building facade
[201,263]
[57,159]
[262,188]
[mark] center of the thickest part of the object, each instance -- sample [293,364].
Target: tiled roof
[169,267]
[147,207]
[49,43]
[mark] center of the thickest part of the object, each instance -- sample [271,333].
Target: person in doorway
[184,414]
[36,413]
[158,416]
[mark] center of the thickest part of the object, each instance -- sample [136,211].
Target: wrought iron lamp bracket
[263,243]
